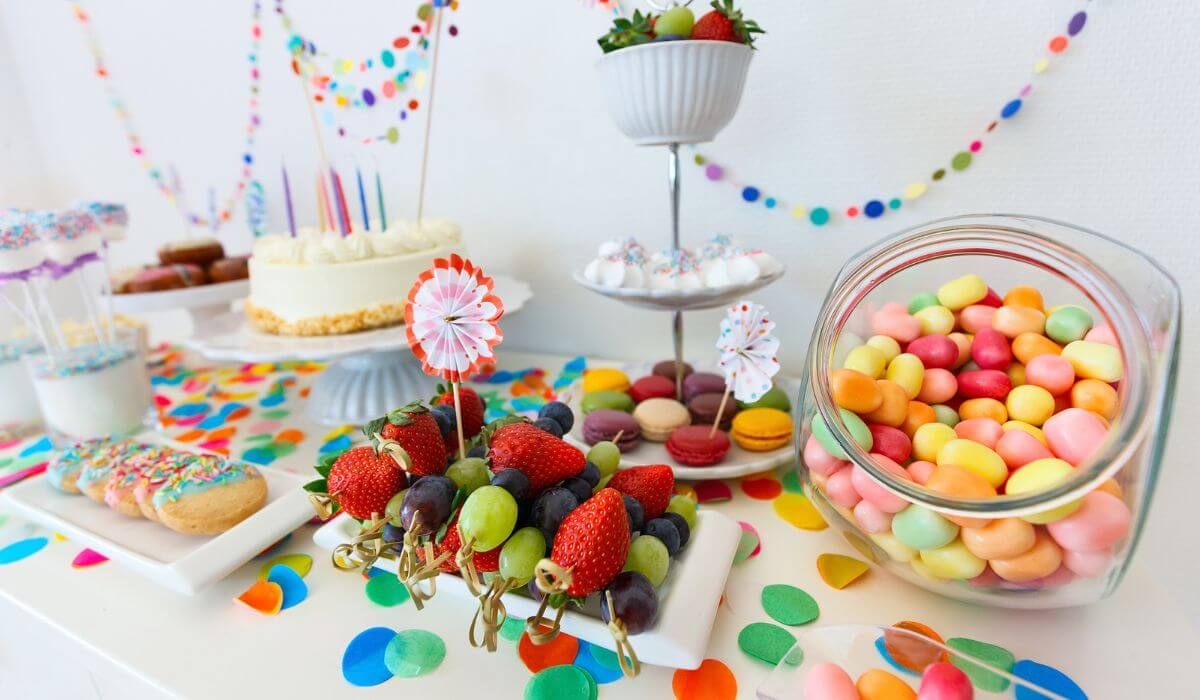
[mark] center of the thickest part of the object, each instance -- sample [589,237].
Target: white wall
[846,99]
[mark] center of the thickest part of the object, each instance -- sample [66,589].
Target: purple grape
[534,591]
[637,516]
[550,508]
[514,481]
[685,531]
[579,487]
[666,532]
[560,413]
[430,496]
[590,474]
[633,600]
[444,415]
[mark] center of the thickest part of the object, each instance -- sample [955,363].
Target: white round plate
[231,337]
[737,462]
[187,298]
[680,300]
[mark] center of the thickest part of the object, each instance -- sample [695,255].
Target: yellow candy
[971,455]
[1093,360]
[885,344]
[924,571]
[895,549]
[908,371]
[929,439]
[963,341]
[1030,404]
[866,359]
[953,561]
[962,292]
[1040,475]
[1016,374]
[1012,321]
[935,320]
[1031,429]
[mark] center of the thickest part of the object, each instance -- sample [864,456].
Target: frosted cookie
[160,472]
[125,476]
[210,496]
[64,470]
[94,476]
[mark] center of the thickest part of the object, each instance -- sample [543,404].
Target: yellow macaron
[605,379]
[762,429]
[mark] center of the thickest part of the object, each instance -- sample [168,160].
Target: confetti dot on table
[560,650]
[363,661]
[1076,24]
[762,489]
[600,672]
[789,605]
[561,683]
[995,656]
[59,537]
[961,161]
[791,481]
[750,194]
[300,563]
[699,159]
[976,146]
[938,174]
[767,642]
[873,209]
[1058,44]
[412,653]
[1010,109]
[712,491]
[799,511]
[265,597]
[852,212]
[712,681]
[386,590]
[749,545]
[839,570]
[894,203]
[293,588]
[770,202]
[512,629]
[21,549]
[87,558]
[1048,677]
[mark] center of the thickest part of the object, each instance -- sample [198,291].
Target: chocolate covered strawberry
[361,482]
[542,457]
[421,450]
[652,486]
[593,542]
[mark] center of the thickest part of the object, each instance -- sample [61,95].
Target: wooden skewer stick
[720,410]
[462,445]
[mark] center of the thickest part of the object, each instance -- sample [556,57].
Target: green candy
[858,430]
[946,415]
[470,473]
[683,506]
[921,528]
[1068,324]
[921,301]
[596,400]
[774,398]
[990,654]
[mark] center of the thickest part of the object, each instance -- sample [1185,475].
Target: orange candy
[955,482]
[1042,559]
[878,684]
[1027,346]
[1012,321]
[1095,396]
[999,539]
[919,413]
[983,408]
[894,406]
[1024,295]
[963,341]
[855,391]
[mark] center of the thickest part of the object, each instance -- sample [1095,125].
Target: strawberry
[593,542]
[450,543]
[423,450]
[545,459]
[472,413]
[362,482]
[652,486]
[487,561]
[726,23]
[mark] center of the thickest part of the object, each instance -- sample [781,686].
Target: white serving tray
[688,599]
[677,299]
[184,563]
[205,295]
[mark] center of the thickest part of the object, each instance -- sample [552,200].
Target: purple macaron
[606,423]
[702,383]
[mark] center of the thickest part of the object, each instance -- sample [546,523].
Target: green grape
[685,508]
[648,556]
[605,456]
[470,473]
[393,508]
[677,21]
[521,553]
[488,516]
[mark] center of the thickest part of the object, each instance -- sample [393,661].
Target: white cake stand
[371,372]
[203,302]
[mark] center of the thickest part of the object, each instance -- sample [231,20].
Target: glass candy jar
[1066,535]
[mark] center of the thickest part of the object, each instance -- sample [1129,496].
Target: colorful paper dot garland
[875,207]
[165,179]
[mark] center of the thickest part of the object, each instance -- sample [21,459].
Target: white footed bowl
[675,91]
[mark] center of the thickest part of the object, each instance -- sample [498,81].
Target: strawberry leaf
[323,469]
[373,428]
[318,486]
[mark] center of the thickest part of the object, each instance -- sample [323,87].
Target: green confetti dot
[996,657]
[562,683]
[512,629]
[386,590]
[605,657]
[939,174]
[700,159]
[791,482]
[412,653]
[961,161]
[819,216]
[767,642]
[789,605]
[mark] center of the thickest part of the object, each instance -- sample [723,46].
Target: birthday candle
[320,203]
[287,197]
[362,199]
[379,195]
[328,202]
[342,211]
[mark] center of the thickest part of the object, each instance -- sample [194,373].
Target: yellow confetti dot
[262,368]
[839,570]
[915,190]
[1041,66]
[799,212]
[338,432]
[799,511]
[59,537]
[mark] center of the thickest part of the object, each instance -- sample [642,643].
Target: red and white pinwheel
[452,317]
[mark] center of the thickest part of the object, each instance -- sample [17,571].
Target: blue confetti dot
[1048,678]
[1076,24]
[750,194]
[294,588]
[1010,109]
[42,445]
[770,202]
[363,661]
[819,216]
[586,659]
[873,209]
[21,549]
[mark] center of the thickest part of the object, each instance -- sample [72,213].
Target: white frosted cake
[329,284]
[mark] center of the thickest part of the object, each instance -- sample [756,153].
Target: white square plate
[687,605]
[183,563]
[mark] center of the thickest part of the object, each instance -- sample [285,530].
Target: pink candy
[890,442]
[871,518]
[985,431]
[872,491]
[938,385]
[944,681]
[818,459]
[840,489]
[1018,448]
[934,351]
[984,384]
[894,321]
[1102,334]
[920,471]
[976,317]
[990,350]
[1051,372]
[828,681]
[1074,434]
[1100,522]
[1087,564]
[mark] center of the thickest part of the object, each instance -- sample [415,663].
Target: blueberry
[560,413]
[685,532]
[514,481]
[480,450]
[444,415]
[393,536]
[550,426]
[590,474]
[633,508]
[550,508]
[579,487]
[666,532]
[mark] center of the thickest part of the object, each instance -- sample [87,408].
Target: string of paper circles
[375,82]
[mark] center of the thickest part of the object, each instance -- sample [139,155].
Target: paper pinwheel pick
[452,321]
[748,353]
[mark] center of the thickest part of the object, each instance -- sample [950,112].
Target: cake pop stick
[720,410]
[89,306]
[43,300]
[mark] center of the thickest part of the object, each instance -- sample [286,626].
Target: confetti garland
[213,218]
[374,82]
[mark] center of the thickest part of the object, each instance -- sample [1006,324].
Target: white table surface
[106,632]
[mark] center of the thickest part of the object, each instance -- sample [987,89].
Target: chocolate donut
[194,251]
[157,279]
[230,269]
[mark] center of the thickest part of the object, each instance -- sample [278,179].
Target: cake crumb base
[379,316]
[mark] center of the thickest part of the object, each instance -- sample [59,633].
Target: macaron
[606,424]
[596,400]
[605,379]
[658,417]
[652,387]
[666,368]
[774,398]
[702,383]
[762,429]
[704,409]
[692,445]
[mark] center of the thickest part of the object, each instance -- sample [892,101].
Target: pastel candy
[953,561]
[1027,346]
[1030,404]
[857,428]
[990,350]
[1024,295]
[1093,360]
[934,320]
[946,415]
[921,528]
[1102,334]
[855,391]
[885,344]
[919,413]
[890,442]
[896,323]
[920,301]
[985,431]
[1095,396]
[1074,434]
[975,457]
[943,681]
[1002,538]
[1100,522]
[840,489]
[1088,564]
[976,317]
[1051,372]
[963,342]
[937,386]
[1018,448]
[872,519]
[984,384]
[872,491]
[934,351]
[1012,321]
[962,292]
[818,459]
[829,682]
[866,359]
[1042,559]
[1068,324]
[957,483]
[877,684]
[920,471]
[1038,476]
[1026,428]
[894,407]
[929,439]
[983,408]
[907,371]
[893,547]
